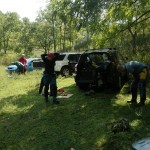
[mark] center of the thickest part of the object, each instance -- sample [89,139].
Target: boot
[140,104]
[132,101]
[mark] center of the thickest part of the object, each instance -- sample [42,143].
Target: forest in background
[77,25]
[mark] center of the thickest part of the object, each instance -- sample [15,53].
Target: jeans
[49,81]
[141,85]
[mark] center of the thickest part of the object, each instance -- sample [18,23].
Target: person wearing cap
[49,77]
[23,60]
[140,74]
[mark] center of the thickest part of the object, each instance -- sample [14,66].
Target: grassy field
[78,123]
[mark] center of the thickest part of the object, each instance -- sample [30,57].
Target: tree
[128,15]
[27,36]
[9,26]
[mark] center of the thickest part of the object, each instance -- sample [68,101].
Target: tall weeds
[6,59]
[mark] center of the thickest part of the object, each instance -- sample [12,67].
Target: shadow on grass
[80,122]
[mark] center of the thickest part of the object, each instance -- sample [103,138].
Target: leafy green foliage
[79,122]
[76,25]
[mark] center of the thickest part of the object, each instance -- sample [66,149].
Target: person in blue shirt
[140,73]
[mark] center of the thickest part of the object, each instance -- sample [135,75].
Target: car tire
[65,71]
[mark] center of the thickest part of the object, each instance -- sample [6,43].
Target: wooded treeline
[76,25]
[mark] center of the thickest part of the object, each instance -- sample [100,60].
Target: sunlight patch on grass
[100,141]
[136,123]
[119,99]
[83,106]
[10,108]
[65,82]
[117,103]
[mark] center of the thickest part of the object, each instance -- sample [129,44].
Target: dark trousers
[140,85]
[49,81]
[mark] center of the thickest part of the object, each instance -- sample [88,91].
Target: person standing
[49,77]
[23,60]
[140,74]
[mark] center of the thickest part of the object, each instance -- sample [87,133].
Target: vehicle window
[38,63]
[105,57]
[73,57]
[83,58]
[61,57]
[96,57]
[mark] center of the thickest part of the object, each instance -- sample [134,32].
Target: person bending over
[140,73]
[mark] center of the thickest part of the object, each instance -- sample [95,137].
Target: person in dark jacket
[140,73]
[20,67]
[49,77]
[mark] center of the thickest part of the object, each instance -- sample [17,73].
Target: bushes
[6,59]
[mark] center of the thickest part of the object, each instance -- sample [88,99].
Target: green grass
[80,122]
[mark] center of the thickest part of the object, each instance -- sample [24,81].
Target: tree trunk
[134,36]
[53,33]
[64,38]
